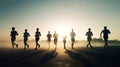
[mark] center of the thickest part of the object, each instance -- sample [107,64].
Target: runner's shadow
[19,58]
[79,57]
[48,56]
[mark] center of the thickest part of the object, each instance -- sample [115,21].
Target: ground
[77,57]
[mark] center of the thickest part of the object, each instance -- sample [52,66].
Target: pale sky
[60,16]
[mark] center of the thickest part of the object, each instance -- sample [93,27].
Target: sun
[62,30]
[62,27]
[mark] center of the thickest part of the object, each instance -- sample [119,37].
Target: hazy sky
[59,15]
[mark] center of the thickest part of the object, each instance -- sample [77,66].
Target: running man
[72,34]
[64,41]
[37,37]
[26,35]
[89,35]
[55,35]
[13,37]
[105,36]
[49,38]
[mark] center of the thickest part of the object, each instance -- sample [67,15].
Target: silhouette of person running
[13,37]
[64,41]
[72,34]
[26,35]
[55,35]
[37,37]
[89,35]
[49,38]
[105,36]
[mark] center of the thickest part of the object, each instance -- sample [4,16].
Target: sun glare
[62,30]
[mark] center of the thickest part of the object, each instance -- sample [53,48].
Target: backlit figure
[37,37]
[105,35]
[89,35]
[13,37]
[26,35]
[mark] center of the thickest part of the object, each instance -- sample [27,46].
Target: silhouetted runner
[13,37]
[37,37]
[55,35]
[105,35]
[26,35]
[49,38]
[72,34]
[89,35]
[64,41]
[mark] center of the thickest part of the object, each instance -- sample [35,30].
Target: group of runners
[89,35]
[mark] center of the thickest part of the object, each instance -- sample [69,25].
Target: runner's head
[105,27]
[89,29]
[49,32]
[37,29]
[13,28]
[25,30]
[72,30]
